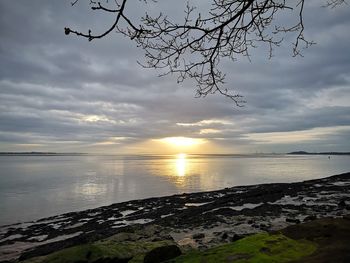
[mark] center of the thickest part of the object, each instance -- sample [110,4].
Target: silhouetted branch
[194,48]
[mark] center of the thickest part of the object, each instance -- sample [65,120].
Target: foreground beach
[199,221]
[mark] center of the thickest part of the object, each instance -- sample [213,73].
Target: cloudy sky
[65,94]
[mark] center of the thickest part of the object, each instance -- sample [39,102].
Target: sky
[62,93]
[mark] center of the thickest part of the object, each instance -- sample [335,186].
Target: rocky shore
[199,221]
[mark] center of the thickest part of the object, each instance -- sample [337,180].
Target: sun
[175,145]
[182,141]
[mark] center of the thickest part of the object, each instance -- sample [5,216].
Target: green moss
[261,248]
[100,250]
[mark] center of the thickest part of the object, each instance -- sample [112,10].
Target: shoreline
[231,212]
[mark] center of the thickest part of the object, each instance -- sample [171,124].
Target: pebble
[198,236]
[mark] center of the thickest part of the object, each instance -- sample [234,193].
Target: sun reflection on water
[181,164]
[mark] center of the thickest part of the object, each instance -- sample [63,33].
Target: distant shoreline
[39,153]
[319,153]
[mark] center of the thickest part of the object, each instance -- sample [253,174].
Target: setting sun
[182,141]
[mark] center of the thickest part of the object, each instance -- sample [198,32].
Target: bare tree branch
[194,48]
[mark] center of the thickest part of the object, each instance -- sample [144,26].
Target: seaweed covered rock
[332,236]
[104,252]
[160,254]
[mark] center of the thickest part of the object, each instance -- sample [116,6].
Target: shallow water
[32,187]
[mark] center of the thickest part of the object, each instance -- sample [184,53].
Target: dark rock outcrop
[161,254]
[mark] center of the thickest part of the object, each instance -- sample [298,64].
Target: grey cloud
[49,82]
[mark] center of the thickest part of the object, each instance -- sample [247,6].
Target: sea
[37,186]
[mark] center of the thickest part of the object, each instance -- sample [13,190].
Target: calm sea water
[32,187]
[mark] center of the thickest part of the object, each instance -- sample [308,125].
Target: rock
[202,247]
[342,203]
[125,236]
[156,239]
[161,254]
[198,236]
[109,260]
[161,237]
[265,250]
[263,226]
[310,218]
[293,220]
[235,237]
[240,256]
[224,236]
